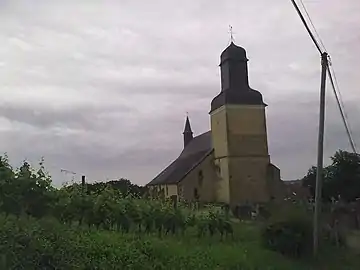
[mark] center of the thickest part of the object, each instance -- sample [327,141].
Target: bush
[32,244]
[289,232]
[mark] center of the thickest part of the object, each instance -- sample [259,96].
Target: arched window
[200,178]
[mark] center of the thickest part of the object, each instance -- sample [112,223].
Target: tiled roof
[199,148]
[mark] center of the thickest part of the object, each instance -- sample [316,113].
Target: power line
[312,24]
[307,27]
[343,116]
[342,104]
[337,87]
[320,144]
[320,153]
[337,92]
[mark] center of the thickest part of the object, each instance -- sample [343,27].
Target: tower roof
[249,97]
[234,80]
[187,128]
[233,52]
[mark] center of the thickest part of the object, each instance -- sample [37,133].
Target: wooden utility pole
[83,185]
[319,173]
[320,154]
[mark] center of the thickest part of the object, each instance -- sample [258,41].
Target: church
[231,162]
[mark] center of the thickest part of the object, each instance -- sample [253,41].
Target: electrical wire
[312,24]
[307,27]
[337,86]
[343,115]
[334,85]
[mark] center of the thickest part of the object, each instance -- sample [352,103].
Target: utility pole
[320,154]
[320,146]
[83,185]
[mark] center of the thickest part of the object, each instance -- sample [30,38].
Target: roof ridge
[199,147]
[196,164]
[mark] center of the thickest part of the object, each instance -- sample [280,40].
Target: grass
[46,244]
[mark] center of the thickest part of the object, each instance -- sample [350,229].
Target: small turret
[188,134]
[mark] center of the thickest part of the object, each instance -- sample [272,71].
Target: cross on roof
[231,33]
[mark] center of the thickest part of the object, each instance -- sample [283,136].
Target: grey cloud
[293,139]
[83,118]
[102,88]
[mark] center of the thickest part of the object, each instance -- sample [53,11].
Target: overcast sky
[102,88]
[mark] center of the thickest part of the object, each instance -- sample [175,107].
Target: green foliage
[122,185]
[46,244]
[341,178]
[28,243]
[25,191]
[289,231]
[114,205]
[109,226]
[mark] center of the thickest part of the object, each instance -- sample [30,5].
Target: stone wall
[199,184]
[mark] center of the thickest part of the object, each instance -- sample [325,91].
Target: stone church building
[230,163]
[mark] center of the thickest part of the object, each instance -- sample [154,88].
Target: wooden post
[83,185]
[82,199]
[320,154]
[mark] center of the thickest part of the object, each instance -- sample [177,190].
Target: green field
[27,243]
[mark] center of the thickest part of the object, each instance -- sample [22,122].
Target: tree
[25,191]
[341,178]
[8,201]
[123,185]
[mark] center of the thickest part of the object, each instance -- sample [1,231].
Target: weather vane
[231,33]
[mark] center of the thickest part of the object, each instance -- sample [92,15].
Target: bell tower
[239,135]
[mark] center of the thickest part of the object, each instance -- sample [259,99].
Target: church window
[200,178]
[167,190]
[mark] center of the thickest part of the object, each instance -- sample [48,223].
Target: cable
[343,116]
[337,96]
[319,178]
[307,27]
[337,87]
[312,24]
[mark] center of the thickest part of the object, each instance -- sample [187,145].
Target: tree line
[32,187]
[341,179]
[114,205]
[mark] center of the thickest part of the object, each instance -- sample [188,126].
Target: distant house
[230,163]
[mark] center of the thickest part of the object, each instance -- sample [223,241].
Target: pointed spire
[188,134]
[187,125]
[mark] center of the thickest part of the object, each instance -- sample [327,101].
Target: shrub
[289,232]
[33,244]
